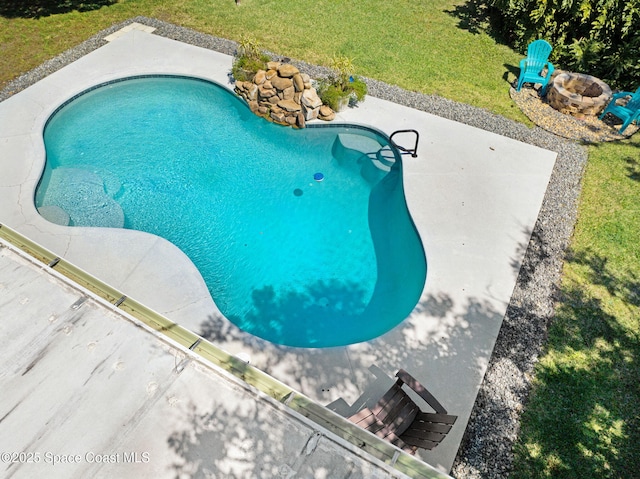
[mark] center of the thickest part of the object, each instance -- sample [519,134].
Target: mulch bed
[588,129]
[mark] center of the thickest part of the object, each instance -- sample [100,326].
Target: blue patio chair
[532,67]
[626,112]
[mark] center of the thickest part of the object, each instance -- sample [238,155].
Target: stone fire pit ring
[578,94]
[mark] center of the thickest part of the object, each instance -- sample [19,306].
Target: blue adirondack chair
[532,67]
[628,112]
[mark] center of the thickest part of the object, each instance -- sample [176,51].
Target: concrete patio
[474,197]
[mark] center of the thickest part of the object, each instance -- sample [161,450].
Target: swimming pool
[286,257]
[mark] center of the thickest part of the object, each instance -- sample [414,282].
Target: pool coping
[480,308]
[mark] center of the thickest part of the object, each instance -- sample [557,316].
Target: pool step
[385,158]
[81,197]
[348,147]
[373,159]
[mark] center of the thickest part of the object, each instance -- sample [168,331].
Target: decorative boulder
[289,105]
[287,70]
[265,92]
[310,98]
[270,74]
[278,115]
[252,91]
[300,120]
[298,82]
[284,95]
[326,113]
[280,83]
[288,93]
[260,77]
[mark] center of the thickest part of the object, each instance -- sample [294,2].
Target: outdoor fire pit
[578,94]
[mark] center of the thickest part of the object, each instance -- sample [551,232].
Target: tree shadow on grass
[627,288]
[477,17]
[582,418]
[43,8]
[633,168]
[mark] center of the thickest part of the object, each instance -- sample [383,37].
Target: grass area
[416,45]
[582,420]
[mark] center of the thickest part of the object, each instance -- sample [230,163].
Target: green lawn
[582,420]
[415,45]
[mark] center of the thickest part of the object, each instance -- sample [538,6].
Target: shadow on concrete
[242,440]
[494,423]
[444,343]
[412,345]
[306,364]
[447,353]
[225,440]
[380,383]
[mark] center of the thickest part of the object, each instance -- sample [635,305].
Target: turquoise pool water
[290,259]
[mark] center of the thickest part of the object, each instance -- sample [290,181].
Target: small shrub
[358,88]
[598,37]
[330,94]
[341,84]
[245,68]
[249,59]
[249,47]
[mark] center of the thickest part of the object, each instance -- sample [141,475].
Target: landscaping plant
[249,59]
[342,85]
[598,37]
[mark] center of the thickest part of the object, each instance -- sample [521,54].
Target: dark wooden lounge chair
[399,420]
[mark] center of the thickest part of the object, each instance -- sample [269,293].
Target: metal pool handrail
[412,151]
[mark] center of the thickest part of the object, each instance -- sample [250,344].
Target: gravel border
[588,129]
[486,450]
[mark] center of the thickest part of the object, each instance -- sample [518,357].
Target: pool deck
[474,197]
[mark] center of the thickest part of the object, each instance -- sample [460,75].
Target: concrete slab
[474,197]
[128,28]
[90,392]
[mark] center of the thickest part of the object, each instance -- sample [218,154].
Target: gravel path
[588,129]
[494,425]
